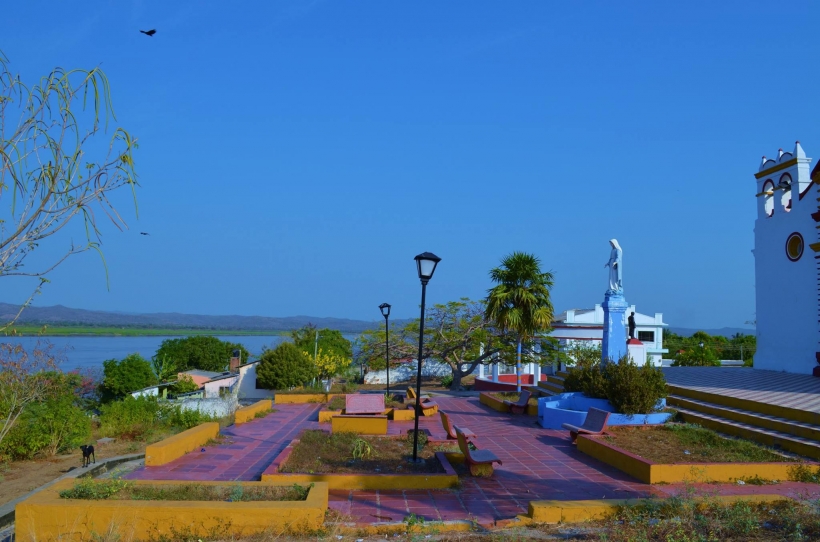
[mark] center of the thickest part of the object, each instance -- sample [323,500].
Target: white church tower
[787,264]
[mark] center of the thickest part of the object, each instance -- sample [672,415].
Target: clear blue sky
[295,156]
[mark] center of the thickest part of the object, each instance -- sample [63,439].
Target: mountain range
[58,315]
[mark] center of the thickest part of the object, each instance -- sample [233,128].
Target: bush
[200,352]
[588,379]
[185,384]
[698,356]
[632,389]
[123,377]
[129,418]
[54,425]
[446,381]
[284,367]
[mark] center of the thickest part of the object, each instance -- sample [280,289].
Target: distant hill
[725,331]
[59,315]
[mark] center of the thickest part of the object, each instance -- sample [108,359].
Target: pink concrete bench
[480,462]
[361,404]
[450,428]
[427,405]
[521,406]
[594,424]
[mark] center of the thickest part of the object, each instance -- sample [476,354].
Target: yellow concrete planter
[180,444]
[290,398]
[655,473]
[248,413]
[445,480]
[326,415]
[498,404]
[579,511]
[363,425]
[399,415]
[45,516]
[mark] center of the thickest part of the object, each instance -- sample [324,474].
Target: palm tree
[520,302]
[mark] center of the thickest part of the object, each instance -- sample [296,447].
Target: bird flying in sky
[149,32]
[143,233]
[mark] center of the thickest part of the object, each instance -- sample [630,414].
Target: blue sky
[295,156]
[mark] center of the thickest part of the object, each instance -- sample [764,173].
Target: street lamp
[385,308]
[426,265]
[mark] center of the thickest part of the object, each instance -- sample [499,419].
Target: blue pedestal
[613,346]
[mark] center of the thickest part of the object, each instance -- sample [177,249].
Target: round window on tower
[794,246]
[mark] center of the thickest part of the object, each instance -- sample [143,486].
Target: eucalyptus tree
[520,302]
[54,168]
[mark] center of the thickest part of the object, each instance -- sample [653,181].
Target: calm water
[90,352]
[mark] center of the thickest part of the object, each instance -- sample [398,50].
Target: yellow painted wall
[246,414]
[651,473]
[326,415]
[368,481]
[180,444]
[403,415]
[371,425]
[578,511]
[289,398]
[493,403]
[45,516]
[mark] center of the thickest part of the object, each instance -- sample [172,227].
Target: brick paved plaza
[538,464]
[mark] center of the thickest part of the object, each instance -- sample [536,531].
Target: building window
[646,336]
[794,246]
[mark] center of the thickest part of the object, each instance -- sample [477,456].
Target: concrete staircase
[779,427]
[552,386]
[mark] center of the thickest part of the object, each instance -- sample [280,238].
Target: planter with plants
[635,395]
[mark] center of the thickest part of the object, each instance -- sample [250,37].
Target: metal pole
[316,348]
[418,375]
[387,351]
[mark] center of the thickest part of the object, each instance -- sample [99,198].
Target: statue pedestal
[637,351]
[613,346]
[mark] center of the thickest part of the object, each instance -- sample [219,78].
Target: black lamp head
[385,308]
[426,263]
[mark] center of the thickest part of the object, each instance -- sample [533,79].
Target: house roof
[197,372]
[222,377]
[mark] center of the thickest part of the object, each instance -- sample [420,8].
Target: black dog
[88,454]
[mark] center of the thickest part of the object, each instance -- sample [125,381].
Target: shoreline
[88,331]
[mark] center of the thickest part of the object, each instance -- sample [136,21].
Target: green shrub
[632,389]
[446,381]
[185,384]
[123,377]
[200,352]
[130,418]
[588,379]
[88,488]
[698,356]
[50,426]
[284,367]
[176,416]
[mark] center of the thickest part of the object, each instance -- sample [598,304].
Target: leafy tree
[23,380]
[520,302]
[201,352]
[53,168]
[185,384]
[123,377]
[331,341]
[164,368]
[286,366]
[329,365]
[52,425]
[697,356]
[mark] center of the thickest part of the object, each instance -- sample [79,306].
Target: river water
[89,352]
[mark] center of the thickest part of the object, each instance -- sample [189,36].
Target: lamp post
[426,265]
[385,308]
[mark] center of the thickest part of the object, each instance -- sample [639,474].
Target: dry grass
[320,452]
[513,396]
[123,490]
[684,443]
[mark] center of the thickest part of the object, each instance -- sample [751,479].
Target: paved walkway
[538,464]
[771,387]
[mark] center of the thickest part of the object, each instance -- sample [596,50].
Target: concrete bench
[428,406]
[594,424]
[450,428]
[519,407]
[480,462]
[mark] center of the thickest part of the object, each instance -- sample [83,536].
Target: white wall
[212,389]
[785,291]
[215,407]
[247,384]
[406,372]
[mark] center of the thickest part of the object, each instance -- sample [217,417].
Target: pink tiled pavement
[537,464]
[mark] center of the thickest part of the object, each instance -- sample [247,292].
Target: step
[562,374]
[551,386]
[535,390]
[767,437]
[555,378]
[794,414]
[765,421]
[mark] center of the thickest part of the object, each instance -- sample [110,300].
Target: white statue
[615,265]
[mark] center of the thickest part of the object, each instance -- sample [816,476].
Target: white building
[248,388]
[786,264]
[587,326]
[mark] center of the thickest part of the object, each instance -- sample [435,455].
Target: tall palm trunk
[518,368]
